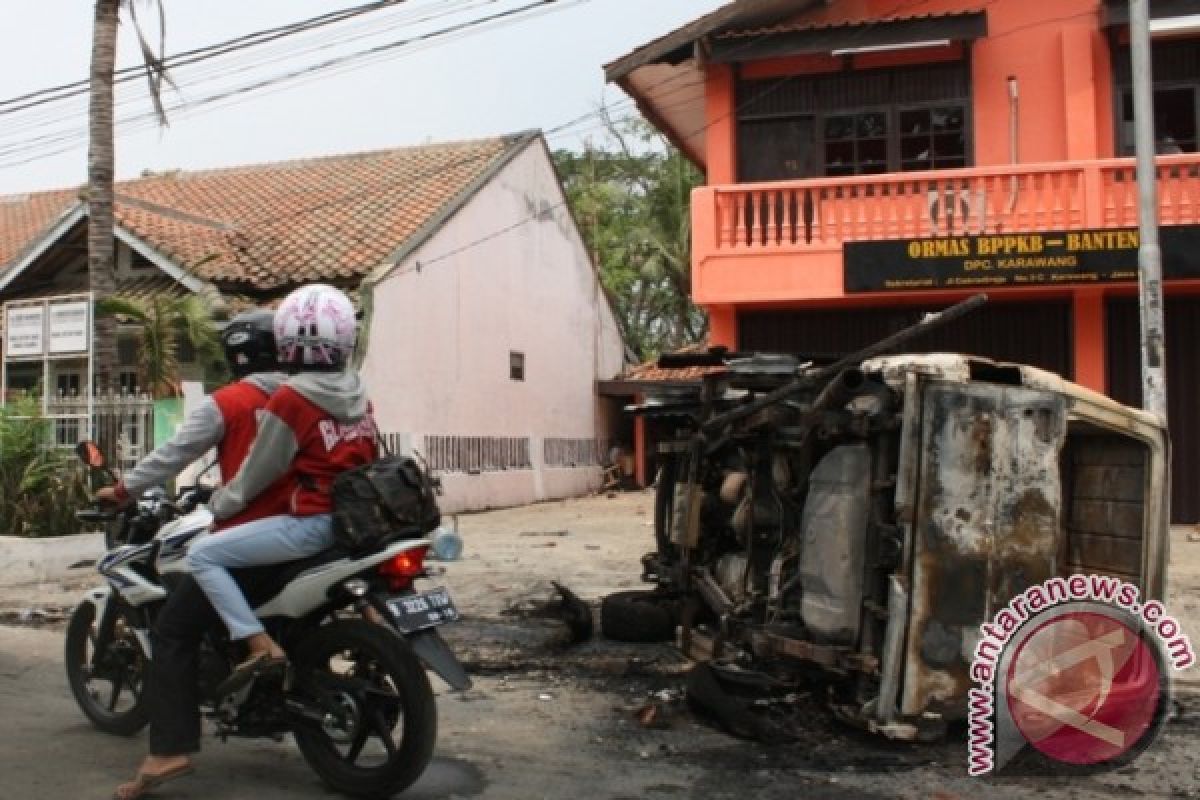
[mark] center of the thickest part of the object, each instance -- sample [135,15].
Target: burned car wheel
[638,616]
[664,506]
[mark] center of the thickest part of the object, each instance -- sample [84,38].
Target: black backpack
[388,499]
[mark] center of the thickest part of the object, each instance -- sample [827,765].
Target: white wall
[444,322]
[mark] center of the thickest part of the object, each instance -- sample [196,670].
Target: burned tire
[638,616]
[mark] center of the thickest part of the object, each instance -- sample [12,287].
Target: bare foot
[153,772]
[262,645]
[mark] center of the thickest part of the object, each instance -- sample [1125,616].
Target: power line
[333,38]
[195,55]
[65,140]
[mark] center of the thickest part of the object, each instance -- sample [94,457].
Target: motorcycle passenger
[315,426]
[226,420]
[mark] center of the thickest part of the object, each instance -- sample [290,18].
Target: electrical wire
[573,124]
[52,144]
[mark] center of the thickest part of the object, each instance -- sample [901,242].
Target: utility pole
[1150,295]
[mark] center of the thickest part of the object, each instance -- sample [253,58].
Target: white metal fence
[122,424]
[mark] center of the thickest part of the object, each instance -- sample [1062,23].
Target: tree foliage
[166,322]
[41,486]
[630,194]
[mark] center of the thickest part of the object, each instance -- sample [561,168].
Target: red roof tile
[24,217]
[656,374]
[649,371]
[269,226]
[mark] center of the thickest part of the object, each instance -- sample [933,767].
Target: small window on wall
[127,381]
[933,138]
[856,144]
[1175,121]
[127,347]
[516,366]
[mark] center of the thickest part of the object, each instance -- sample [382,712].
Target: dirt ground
[544,720]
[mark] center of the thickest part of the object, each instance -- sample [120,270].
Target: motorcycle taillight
[401,569]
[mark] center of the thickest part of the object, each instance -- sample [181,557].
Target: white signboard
[69,327]
[23,330]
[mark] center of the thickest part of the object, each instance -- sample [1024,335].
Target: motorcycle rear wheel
[123,668]
[370,683]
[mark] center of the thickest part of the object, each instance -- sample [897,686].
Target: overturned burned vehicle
[857,522]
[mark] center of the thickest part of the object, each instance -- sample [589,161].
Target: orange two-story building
[869,160]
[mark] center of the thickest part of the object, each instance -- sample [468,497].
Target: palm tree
[102,273]
[166,323]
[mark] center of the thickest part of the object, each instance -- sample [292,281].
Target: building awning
[1167,13]
[847,38]
[666,77]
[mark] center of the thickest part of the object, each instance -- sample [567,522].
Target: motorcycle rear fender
[436,655]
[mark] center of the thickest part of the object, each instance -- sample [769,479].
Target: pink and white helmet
[315,329]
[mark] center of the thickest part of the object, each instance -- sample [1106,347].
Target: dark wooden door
[1183,388]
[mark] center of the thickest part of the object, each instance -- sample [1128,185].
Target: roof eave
[739,12]
[422,235]
[67,220]
[652,116]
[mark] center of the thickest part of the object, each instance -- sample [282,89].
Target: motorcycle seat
[260,584]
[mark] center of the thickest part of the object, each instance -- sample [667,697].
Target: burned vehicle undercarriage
[859,521]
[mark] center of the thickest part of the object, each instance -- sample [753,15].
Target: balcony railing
[821,214]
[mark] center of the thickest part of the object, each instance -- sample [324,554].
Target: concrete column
[1079,92]
[720,140]
[1088,340]
[639,445]
[722,327]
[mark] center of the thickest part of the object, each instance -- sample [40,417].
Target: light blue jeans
[272,540]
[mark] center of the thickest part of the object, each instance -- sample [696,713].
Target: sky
[537,69]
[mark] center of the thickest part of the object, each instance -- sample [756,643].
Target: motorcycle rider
[226,420]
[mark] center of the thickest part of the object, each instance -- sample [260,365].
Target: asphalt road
[544,723]
[49,750]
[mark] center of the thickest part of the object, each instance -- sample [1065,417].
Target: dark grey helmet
[249,342]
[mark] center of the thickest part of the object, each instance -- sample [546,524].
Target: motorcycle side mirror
[90,454]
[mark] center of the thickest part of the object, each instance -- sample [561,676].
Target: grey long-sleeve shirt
[201,431]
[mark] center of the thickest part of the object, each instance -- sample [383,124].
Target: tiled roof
[269,226]
[650,371]
[654,373]
[23,217]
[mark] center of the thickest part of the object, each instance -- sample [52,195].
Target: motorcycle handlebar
[95,515]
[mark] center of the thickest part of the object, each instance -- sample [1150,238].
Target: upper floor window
[1175,121]
[854,123]
[1176,71]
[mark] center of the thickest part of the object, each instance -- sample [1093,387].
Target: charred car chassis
[861,520]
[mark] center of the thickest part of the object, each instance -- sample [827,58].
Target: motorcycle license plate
[415,612]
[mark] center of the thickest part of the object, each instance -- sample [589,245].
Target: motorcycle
[357,632]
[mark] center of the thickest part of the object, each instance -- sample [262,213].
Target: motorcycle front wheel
[380,721]
[108,686]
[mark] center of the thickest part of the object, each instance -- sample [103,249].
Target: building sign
[24,328]
[1014,259]
[68,328]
